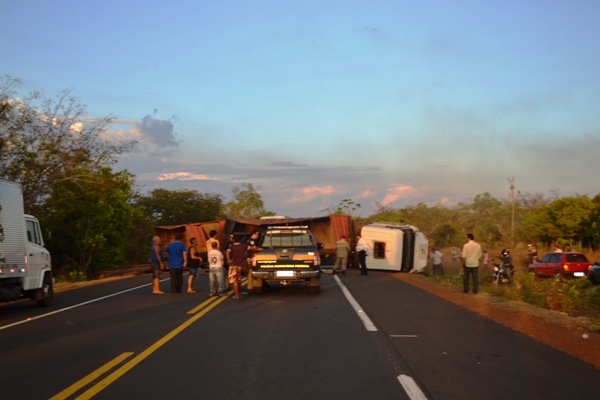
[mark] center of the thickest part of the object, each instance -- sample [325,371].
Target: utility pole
[512,221]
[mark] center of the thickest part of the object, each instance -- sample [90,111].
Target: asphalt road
[371,337]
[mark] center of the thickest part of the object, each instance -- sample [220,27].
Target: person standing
[193,264]
[454,256]
[361,248]
[228,243]
[212,238]
[471,253]
[236,257]
[436,260]
[342,248]
[253,248]
[486,259]
[533,253]
[177,262]
[157,259]
[216,273]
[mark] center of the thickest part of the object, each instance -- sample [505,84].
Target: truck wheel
[256,290]
[46,293]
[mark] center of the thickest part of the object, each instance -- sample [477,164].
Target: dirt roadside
[555,329]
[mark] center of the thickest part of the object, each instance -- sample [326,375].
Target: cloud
[77,127]
[309,193]
[184,176]
[365,194]
[396,192]
[156,131]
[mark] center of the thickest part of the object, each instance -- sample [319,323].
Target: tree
[570,215]
[591,229]
[90,220]
[44,142]
[345,207]
[247,203]
[172,207]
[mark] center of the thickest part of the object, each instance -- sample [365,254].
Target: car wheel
[47,292]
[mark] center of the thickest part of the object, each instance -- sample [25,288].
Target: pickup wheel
[315,286]
[46,293]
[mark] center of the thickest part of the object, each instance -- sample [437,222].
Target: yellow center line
[91,377]
[204,308]
[210,300]
[103,384]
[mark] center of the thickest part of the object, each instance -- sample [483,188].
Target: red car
[561,265]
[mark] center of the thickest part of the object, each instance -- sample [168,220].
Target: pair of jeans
[176,279]
[216,275]
[362,260]
[468,271]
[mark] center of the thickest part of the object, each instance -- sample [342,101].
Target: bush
[77,276]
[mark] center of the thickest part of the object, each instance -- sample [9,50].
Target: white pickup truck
[25,267]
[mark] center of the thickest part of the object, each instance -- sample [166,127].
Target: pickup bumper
[285,275]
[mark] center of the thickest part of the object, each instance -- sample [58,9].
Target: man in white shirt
[216,272]
[471,253]
[361,248]
[436,260]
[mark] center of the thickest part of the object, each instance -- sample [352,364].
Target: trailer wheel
[46,292]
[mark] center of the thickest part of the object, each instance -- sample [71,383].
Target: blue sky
[313,102]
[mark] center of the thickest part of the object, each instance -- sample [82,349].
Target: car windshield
[576,258]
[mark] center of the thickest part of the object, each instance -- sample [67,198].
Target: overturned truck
[326,231]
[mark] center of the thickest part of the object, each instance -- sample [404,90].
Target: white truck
[25,267]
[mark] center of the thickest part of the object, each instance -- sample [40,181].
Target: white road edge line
[359,311]
[411,388]
[71,307]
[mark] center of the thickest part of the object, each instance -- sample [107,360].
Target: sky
[386,103]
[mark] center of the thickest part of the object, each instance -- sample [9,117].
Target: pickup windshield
[287,239]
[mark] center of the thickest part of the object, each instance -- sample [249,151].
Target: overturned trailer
[326,230]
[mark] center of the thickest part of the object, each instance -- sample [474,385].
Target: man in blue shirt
[177,261]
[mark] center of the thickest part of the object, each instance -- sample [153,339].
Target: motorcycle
[503,273]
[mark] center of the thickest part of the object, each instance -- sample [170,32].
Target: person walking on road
[177,262]
[236,257]
[216,274]
[361,248]
[194,260]
[157,259]
[342,248]
[471,253]
[253,248]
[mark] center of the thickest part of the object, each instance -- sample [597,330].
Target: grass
[576,297]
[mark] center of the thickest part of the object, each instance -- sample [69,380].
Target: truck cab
[25,264]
